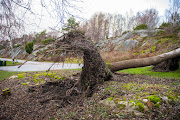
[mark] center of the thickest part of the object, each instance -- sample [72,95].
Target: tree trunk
[144,61]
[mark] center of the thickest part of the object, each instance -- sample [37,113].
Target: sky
[89,7]
[122,6]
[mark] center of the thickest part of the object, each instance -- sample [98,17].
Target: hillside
[133,44]
[139,44]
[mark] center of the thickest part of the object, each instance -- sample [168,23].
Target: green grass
[147,71]
[74,61]
[9,63]
[6,74]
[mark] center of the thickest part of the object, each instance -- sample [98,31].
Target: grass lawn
[147,71]
[9,63]
[74,61]
[6,74]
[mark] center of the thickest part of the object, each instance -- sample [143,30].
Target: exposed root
[69,91]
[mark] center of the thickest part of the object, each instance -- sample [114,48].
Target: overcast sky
[89,7]
[122,6]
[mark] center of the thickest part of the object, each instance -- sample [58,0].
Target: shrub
[29,47]
[141,27]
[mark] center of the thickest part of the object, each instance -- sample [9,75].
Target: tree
[13,14]
[95,71]
[173,13]
[144,61]
[149,17]
[102,25]
[9,23]
[71,25]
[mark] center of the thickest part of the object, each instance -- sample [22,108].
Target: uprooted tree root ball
[94,70]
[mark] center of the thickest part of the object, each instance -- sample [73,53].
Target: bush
[29,47]
[141,27]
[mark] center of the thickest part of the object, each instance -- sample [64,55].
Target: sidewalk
[38,66]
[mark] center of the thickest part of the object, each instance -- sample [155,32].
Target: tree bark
[144,61]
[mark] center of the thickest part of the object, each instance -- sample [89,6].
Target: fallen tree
[133,63]
[95,71]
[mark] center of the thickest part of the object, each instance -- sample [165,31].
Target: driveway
[38,66]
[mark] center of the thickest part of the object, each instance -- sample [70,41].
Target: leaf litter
[123,96]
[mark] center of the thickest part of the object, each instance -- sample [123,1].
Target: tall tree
[100,25]
[13,12]
[149,17]
[173,13]
[10,24]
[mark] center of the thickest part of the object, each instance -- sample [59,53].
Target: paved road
[38,66]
